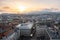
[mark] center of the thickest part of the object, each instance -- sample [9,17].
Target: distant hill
[39,12]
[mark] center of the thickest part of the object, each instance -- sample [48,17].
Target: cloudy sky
[12,5]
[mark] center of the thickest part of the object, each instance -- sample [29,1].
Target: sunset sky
[28,5]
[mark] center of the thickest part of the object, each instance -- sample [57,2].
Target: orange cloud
[8,9]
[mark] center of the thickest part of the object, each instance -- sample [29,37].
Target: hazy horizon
[29,5]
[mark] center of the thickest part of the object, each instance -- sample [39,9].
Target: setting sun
[22,8]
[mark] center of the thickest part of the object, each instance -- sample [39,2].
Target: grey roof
[25,26]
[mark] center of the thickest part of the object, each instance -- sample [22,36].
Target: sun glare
[22,8]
